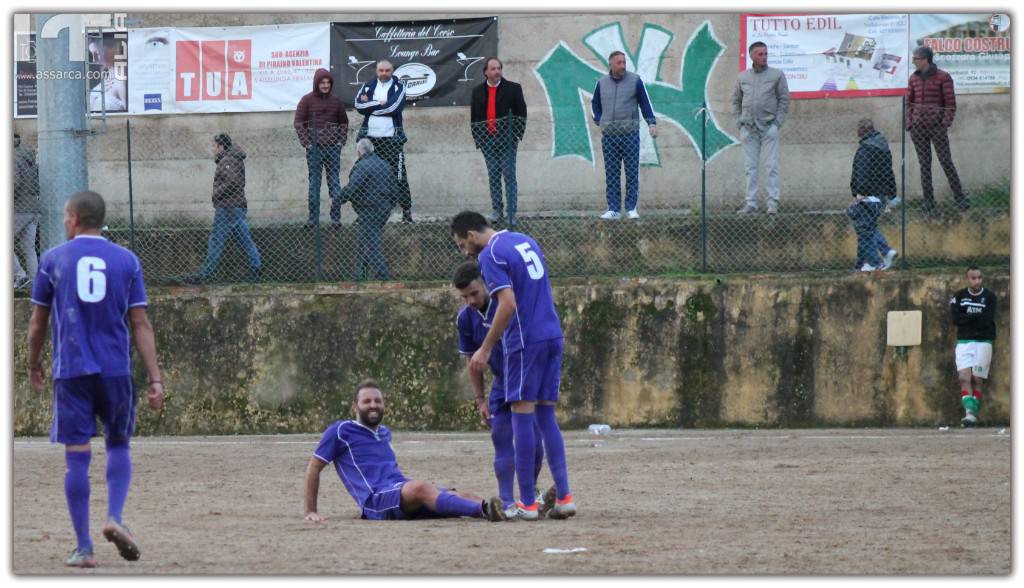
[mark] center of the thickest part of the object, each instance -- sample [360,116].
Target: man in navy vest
[617,97]
[381,102]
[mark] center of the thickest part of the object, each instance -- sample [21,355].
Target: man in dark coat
[498,121]
[322,127]
[373,191]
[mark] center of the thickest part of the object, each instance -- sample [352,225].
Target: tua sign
[213,70]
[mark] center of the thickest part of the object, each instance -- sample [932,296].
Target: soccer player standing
[472,323]
[527,325]
[974,313]
[88,286]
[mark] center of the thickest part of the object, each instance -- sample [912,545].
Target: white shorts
[975,356]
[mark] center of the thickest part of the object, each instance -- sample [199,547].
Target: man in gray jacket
[617,98]
[373,191]
[27,211]
[760,103]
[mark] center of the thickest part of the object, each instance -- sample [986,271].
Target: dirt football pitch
[906,501]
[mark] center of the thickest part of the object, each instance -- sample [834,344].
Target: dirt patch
[907,501]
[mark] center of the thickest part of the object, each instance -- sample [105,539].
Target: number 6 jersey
[514,260]
[89,284]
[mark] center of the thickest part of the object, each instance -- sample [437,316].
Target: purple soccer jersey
[514,260]
[362,457]
[472,327]
[89,284]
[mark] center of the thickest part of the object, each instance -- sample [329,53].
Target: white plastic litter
[943,428]
[1002,431]
[557,550]
[599,429]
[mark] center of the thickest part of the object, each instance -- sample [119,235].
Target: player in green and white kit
[974,312]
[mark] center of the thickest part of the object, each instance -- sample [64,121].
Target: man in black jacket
[872,183]
[373,191]
[974,313]
[498,122]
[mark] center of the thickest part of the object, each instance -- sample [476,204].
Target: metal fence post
[703,188]
[903,185]
[318,246]
[131,197]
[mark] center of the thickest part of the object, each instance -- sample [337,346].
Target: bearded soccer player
[974,312]
[361,452]
[527,326]
[93,293]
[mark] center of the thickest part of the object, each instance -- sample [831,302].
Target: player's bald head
[89,207]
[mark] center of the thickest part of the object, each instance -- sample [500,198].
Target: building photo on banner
[639,293]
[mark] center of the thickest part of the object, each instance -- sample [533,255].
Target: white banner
[973,48]
[833,55]
[224,69]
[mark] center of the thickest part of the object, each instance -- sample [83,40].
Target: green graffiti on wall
[566,77]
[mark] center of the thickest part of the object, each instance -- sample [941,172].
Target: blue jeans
[501,163]
[327,158]
[369,247]
[619,150]
[228,222]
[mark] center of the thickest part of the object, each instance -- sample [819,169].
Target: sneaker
[611,215]
[512,221]
[964,203]
[406,216]
[867,267]
[563,508]
[22,282]
[528,513]
[896,202]
[122,537]
[773,208]
[81,558]
[495,509]
[748,209]
[887,261]
[633,214]
[969,420]
[255,274]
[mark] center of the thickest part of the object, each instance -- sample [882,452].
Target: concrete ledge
[758,351]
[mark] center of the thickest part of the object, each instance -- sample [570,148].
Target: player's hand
[155,395]
[315,517]
[478,363]
[485,411]
[38,376]
[654,130]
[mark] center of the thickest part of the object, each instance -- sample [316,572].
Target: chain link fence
[281,203]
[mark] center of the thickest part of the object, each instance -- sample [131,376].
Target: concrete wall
[781,350]
[173,171]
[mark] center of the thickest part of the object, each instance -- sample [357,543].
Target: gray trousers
[761,147]
[25,227]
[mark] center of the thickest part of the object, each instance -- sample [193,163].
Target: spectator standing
[760,103]
[322,127]
[372,190]
[617,97]
[931,108]
[497,116]
[381,102]
[872,176]
[229,211]
[27,211]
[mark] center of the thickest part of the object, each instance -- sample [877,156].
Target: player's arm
[959,316]
[36,337]
[477,379]
[313,488]
[506,308]
[145,344]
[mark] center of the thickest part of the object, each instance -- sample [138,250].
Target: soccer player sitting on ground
[974,314]
[472,323]
[94,291]
[362,455]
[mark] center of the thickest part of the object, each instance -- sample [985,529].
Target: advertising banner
[833,55]
[224,69]
[973,48]
[439,61]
